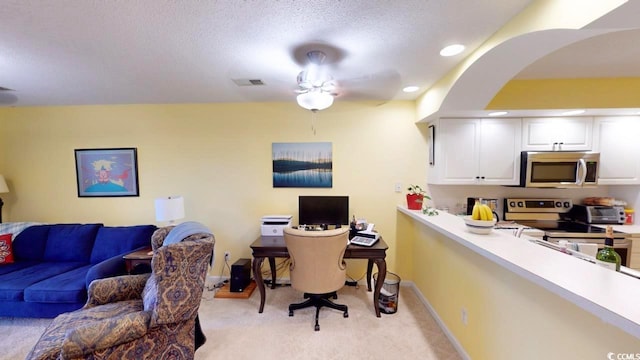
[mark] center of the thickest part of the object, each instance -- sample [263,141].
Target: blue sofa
[54,265]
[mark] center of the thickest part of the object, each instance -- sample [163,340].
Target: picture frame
[302,165]
[432,140]
[107,172]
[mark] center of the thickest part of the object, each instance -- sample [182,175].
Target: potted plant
[415,197]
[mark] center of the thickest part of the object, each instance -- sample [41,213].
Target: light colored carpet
[235,329]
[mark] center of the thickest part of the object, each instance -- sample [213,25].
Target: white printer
[272,225]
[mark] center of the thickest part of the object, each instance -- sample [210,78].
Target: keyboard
[363,241]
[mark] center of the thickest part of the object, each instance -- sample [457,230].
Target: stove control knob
[567,204]
[512,204]
[558,204]
[520,204]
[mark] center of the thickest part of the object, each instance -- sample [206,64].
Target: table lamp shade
[3,185]
[170,208]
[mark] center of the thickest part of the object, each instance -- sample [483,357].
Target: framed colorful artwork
[302,165]
[107,172]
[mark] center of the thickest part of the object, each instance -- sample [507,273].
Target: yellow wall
[508,317]
[218,156]
[567,94]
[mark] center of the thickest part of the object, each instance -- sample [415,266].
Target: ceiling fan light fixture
[315,100]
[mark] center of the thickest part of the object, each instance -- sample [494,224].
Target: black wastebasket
[389,293]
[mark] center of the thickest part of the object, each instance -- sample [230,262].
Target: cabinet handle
[477,177]
[482,177]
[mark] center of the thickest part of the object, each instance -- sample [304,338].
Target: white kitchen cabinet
[557,134]
[617,139]
[476,152]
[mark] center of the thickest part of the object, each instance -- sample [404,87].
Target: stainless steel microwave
[559,169]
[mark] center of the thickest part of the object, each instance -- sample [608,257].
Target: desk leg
[272,266]
[257,276]
[382,274]
[369,270]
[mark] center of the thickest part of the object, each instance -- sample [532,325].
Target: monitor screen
[319,210]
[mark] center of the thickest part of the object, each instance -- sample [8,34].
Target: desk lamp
[3,189]
[170,209]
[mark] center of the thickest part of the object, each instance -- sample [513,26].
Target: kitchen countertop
[634,230]
[571,278]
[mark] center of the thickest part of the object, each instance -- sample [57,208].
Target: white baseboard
[433,313]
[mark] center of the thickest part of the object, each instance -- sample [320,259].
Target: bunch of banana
[481,212]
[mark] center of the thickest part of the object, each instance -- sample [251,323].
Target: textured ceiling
[76,52]
[67,52]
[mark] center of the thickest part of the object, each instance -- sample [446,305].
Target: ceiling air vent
[248,82]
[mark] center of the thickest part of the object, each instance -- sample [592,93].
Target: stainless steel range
[559,220]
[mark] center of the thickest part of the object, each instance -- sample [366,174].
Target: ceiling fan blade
[379,86]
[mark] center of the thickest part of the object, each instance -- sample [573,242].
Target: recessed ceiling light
[452,50]
[498,113]
[573,112]
[410,89]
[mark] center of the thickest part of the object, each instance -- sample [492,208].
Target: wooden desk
[135,258]
[272,247]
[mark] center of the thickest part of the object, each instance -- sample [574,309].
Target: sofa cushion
[30,243]
[6,251]
[16,265]
[68,287]
[16,228]
[12,285]
[116,240]
[70,242]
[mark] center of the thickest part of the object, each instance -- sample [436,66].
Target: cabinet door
[477,152]
[618,141]
[499,154]
[458,159]
[561,133]
[634,261]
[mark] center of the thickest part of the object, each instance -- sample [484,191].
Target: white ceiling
[70,52]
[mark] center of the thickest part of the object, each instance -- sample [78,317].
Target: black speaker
[240,275]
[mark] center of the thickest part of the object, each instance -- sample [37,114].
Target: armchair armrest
[119,288]
[113,266]
[85,340]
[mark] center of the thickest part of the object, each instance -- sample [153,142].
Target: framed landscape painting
[107,172]
[302,165]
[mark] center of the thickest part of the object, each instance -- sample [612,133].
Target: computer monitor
[323,210]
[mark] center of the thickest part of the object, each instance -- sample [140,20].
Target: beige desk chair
[317,267]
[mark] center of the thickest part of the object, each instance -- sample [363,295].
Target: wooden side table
[139,257]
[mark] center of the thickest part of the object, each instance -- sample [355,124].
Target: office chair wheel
[317,328]
[346,314]
[290,312]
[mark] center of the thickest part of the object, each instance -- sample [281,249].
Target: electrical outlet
[464,317]
[398,187]
[227,256]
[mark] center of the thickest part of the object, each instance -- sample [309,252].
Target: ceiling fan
[316,87]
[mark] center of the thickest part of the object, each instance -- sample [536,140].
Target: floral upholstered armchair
[147,316]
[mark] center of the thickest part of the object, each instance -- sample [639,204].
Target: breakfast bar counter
[500,266]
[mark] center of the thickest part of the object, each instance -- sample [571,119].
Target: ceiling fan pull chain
[313,120]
